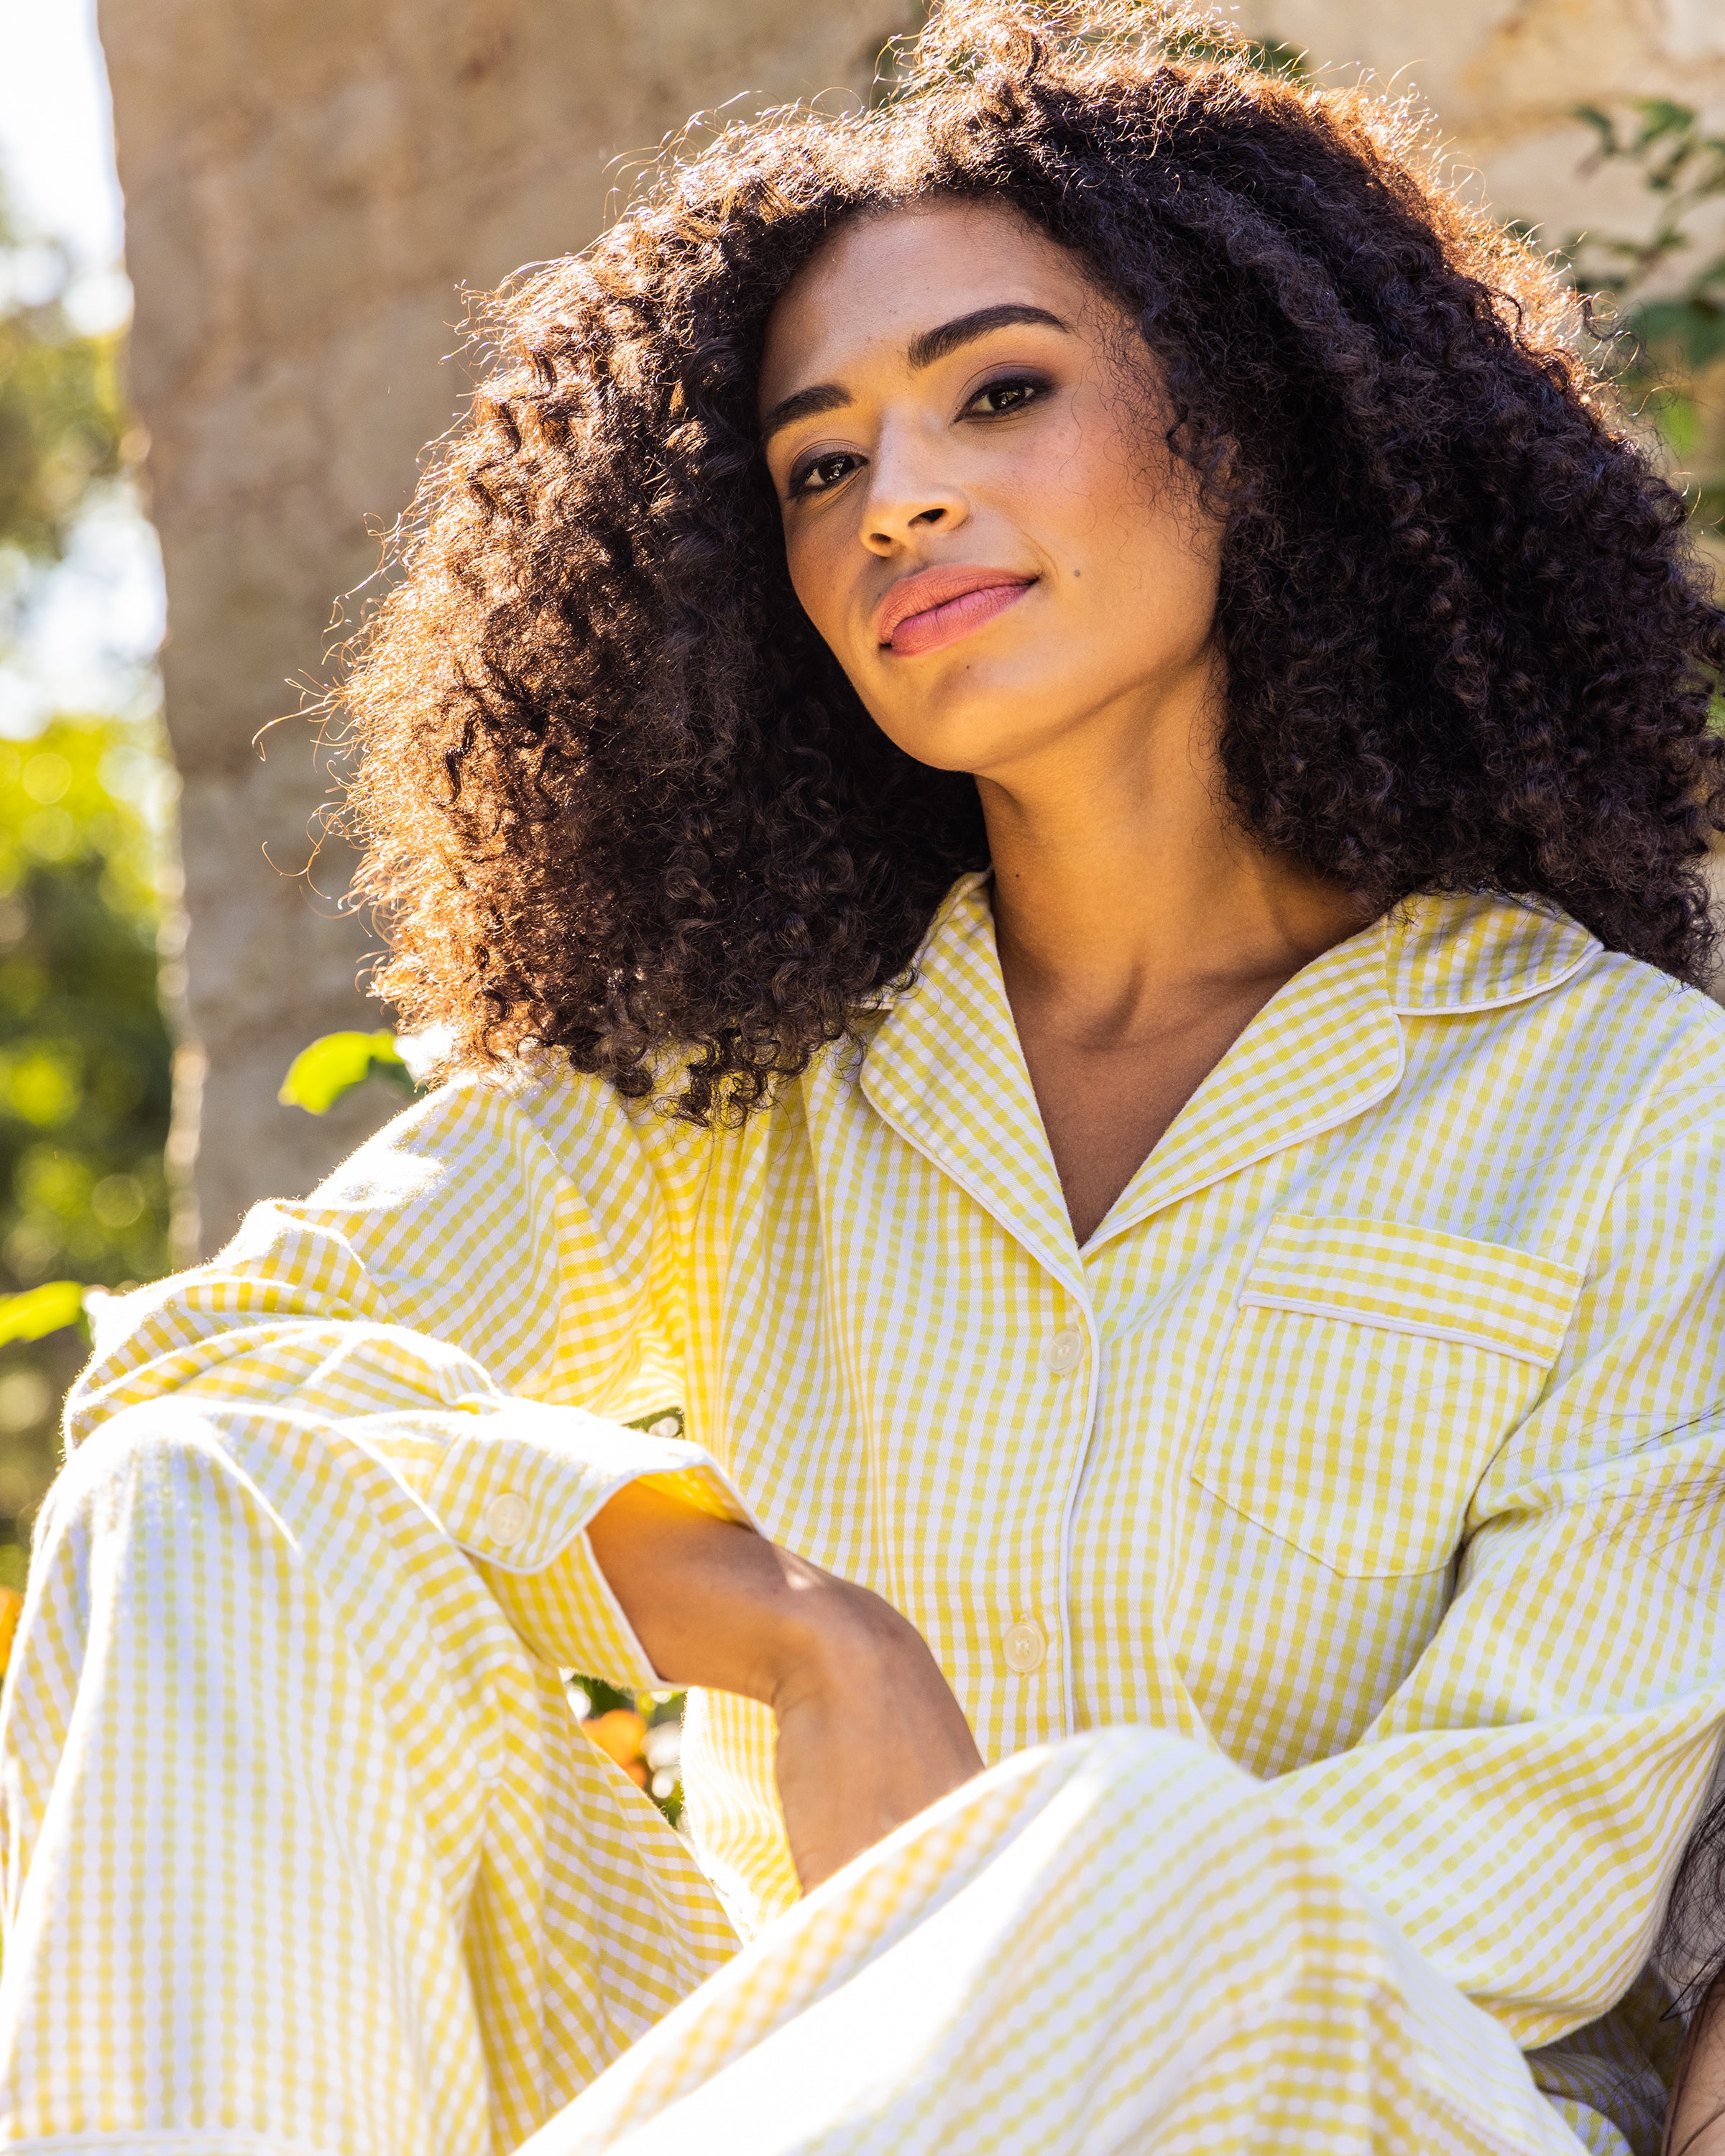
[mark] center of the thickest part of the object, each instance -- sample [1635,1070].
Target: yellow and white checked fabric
[1371,1445]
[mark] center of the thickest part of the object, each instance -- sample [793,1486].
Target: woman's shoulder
[1626,1008]
[1655,1047]
[537,1113]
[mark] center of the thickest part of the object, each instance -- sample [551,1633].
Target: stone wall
[307,183]
[1503,78]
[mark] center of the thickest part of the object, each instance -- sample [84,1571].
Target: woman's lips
[948,604]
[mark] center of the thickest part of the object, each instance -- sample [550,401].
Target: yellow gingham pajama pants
[1117,1944]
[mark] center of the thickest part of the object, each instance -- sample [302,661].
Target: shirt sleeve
[1555,1743]
[474,1298]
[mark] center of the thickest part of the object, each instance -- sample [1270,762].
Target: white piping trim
[1177,1192]
[1521,992]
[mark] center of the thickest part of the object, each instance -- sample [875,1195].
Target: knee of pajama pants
[1120,1942]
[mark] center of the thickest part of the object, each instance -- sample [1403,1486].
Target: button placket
[1071,1353]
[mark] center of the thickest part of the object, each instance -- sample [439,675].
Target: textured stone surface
[1502,79]
[307,184]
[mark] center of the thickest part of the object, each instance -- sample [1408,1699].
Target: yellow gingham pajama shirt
[1327,1557]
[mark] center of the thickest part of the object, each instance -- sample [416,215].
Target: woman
[1048,757]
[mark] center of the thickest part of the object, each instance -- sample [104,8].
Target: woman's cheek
[805,580]
[819,578]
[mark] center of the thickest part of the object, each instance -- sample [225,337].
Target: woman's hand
[869,1732]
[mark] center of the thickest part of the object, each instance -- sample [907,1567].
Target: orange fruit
[619,1735]
[11,1602]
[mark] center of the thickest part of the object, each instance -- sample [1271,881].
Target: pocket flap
[1415,1280]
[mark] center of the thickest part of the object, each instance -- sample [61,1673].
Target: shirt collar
[1476,953]
[944,1068]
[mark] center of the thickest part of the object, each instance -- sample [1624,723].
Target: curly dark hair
[621,802]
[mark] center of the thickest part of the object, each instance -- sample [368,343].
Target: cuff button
[504,1518]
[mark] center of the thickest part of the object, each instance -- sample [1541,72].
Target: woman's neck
[1139,931]
[1120,876]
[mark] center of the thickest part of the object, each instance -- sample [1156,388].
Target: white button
[1065,1351]
[1023,1646]
[666,1426]
[504,1518]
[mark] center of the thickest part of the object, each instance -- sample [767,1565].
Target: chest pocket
[1373,1372]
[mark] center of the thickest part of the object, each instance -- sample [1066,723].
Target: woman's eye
[823,473]
[994,400]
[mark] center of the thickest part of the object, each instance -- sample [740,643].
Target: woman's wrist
[869,1732]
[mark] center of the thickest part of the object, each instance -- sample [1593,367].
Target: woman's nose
[909,494]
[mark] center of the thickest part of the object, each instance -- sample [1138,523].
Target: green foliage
[83,1050]
[1669,291]
[63,424]
[40,1311]
[1683,169]
[84,1085]
[334,1064]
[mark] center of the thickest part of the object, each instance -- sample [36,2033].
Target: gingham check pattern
[1371,1444]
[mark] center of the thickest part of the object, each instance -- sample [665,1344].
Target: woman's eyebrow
[939,344]
[802,404]
[922,351]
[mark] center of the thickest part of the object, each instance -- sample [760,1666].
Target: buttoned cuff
[568,1615]
[516,1487]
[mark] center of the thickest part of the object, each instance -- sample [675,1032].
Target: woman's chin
[979,727]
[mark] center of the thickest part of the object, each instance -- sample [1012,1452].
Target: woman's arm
[465,1298]
[482,1261]
[869,1732]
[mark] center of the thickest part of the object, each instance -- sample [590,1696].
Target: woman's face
[980,515]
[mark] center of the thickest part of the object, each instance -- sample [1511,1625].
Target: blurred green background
[86,882]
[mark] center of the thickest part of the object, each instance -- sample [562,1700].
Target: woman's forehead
[884,279]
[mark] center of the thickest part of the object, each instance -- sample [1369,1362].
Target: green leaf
[319,1075]
[41,1311]
[1601,123]
[1661,117]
